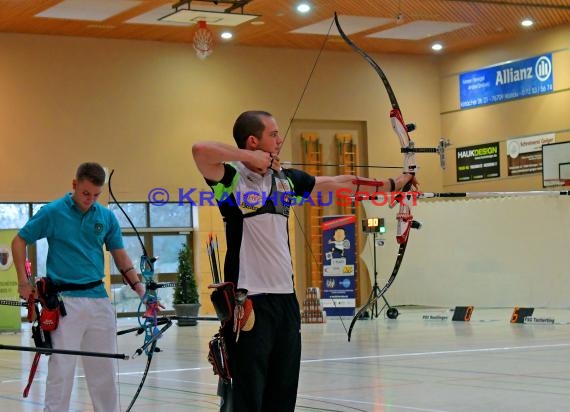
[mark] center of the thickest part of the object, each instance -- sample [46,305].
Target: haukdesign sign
[478,162]
[506,81]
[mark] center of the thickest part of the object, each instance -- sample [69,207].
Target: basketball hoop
[203,41]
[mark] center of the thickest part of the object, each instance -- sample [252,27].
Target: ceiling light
[527,23]
[303,8]
[226,35]
[437,46]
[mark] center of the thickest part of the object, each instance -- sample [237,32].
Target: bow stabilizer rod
[428,195]
[49,351]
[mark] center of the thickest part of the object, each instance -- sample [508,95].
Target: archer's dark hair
[247,124]
[91,171]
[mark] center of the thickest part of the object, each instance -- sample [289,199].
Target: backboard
[555,164]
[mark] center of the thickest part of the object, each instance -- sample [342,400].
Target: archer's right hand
[260,161]
[25,290]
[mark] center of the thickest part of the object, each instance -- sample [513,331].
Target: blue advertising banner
[506,81]
[339,265]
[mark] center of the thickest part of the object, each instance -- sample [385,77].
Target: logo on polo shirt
[98,228]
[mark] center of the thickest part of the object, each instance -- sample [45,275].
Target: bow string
[148,320]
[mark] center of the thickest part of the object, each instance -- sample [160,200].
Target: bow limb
[150,351]
[404,216]
[397,119]
[374,299]
[148,361]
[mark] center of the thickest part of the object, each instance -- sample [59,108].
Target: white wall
[492,252]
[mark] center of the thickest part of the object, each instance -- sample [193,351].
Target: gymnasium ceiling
[383,26]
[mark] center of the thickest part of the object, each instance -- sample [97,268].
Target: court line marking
[436,353]
[392,405]
[351,358]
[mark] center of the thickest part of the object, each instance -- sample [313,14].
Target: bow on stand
[405,220]
[148,322]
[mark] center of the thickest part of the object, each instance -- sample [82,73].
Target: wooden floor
[405,365]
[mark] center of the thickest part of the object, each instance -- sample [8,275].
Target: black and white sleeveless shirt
[255,209]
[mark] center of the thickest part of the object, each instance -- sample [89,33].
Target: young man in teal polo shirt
[76,228]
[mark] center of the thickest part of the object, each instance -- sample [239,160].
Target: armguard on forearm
[126,279]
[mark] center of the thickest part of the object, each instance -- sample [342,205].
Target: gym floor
[410,364]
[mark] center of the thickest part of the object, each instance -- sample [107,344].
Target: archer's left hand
[404,179]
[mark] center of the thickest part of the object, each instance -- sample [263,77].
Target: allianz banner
[506,81]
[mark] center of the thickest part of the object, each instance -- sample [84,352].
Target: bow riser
[400,127]
[404,225]
[401,130]
[404,216]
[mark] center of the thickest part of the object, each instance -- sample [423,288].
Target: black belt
[65,287]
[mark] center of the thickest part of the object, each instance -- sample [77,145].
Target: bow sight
[440,149]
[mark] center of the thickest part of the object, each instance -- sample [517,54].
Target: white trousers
[90,325]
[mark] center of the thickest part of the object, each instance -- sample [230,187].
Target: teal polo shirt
[75,241]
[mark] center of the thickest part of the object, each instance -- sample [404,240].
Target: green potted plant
[186,299]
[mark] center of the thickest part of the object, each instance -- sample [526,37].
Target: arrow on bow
[287,163]
[404,216]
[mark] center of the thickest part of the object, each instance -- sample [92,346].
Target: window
[136,211]
[163,230]
[171,215]
[40,248]
[13,215]
[166,247]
